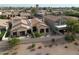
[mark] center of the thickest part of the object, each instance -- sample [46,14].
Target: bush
[66,47]
[53,40]
[39,47]
[32,46]
[14,41]
[50,45]
[3,17]
[70,38]
[76,44]
[38,34]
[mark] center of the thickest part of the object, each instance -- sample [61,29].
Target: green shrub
[33,45]
[3,17]
[70,38]
[13,42]
[38,34]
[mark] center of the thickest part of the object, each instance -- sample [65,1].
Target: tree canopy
[72,13]
[33,11]
[72,25]
[72,29]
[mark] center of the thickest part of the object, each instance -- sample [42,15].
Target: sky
[41,5]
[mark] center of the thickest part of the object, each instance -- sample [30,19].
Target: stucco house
[22,26]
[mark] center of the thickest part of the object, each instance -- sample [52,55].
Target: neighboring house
[24,14]
[21,26]
[40,13]
[3,23]
[6,14]
[3,27]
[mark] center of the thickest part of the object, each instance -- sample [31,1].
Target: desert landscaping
[44,48]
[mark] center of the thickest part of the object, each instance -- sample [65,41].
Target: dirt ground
[45,48]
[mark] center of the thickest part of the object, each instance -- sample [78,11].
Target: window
[22,33]
[14,33]
[41,30]
[47,30]
[34,29]
[29,31]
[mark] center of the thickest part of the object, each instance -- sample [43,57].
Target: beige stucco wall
[18,30]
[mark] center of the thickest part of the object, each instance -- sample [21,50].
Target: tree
[72,28]
[72,25]
[33,11]
[72,13]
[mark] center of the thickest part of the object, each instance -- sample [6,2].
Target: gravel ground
[47,48]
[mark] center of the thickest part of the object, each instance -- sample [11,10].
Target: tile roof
[37,21]
[26,23]
[3,22]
